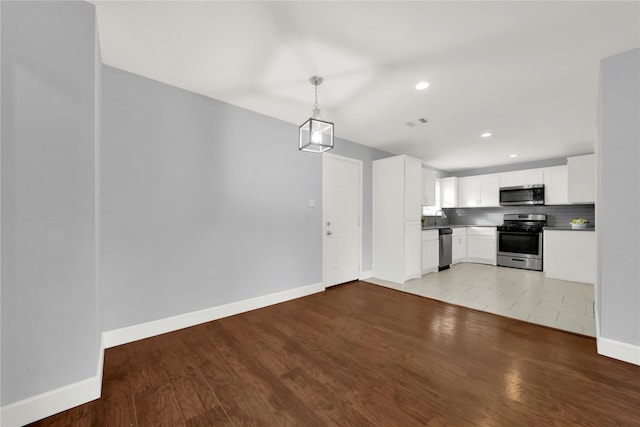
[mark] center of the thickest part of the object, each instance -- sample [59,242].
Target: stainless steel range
[520,241]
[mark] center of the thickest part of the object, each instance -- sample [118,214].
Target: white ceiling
[525,71]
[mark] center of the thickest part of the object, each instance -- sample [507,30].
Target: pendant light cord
[316,106]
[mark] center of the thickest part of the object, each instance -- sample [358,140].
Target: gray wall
[204,203]
[439,173]
[49,308]
[618,198]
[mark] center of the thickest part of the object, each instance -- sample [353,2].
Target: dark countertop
[548,227]
[437,227]
[568,228]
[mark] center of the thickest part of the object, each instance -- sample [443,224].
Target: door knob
[328,223]
[329,233]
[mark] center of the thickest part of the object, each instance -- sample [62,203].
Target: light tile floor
[520,294]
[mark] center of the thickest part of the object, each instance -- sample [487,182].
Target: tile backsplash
[556,215]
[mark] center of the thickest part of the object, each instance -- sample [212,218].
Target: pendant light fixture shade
[316,135]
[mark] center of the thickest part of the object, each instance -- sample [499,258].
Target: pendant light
[316,135]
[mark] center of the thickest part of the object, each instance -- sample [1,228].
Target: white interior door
[342,211]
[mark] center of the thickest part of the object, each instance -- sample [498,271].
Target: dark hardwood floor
[362,355]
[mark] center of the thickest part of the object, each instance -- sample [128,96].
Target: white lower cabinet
[430,251]
[458,245]
[481,245]
[570,255]
[412,264]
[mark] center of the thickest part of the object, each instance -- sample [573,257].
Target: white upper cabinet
[533,176]
[397,206]
[449,192]
[469,192]
[511,179]
[412,189]
[482,190]
[582,179]
[523,177]
[490,190]
[428,187]
[573,183]
[556,186]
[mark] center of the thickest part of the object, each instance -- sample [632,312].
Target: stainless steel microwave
[522,195]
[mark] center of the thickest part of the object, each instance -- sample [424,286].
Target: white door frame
[326,156]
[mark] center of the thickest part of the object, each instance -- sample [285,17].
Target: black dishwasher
[445,248]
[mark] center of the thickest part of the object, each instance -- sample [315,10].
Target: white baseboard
[619,350]
[430,270]
[364,275]
[51,402]
[149,329]
[54,401]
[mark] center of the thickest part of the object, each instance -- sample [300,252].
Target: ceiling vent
[419,121]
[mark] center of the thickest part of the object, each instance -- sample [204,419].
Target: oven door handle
[520,232]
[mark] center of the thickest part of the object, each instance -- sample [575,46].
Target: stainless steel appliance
[445,248]
[522,195]
[520,241]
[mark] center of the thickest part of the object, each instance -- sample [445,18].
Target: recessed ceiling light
[513,155]
[422,85]
[486,135]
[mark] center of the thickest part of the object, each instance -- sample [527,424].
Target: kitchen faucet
[435,216]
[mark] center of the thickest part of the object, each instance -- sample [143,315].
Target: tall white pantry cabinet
[397,211]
